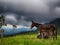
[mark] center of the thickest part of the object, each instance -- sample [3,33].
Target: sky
[21,12]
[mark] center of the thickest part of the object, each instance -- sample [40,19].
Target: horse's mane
[38,24]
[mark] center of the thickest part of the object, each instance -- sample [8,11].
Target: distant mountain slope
[56,22]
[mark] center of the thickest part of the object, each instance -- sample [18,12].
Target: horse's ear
[32,21]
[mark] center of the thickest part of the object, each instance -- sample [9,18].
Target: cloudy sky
[21,12]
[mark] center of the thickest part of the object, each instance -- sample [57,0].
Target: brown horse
[49,29]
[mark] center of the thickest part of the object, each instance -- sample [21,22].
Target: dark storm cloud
[26,10]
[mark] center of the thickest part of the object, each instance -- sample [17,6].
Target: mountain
[9,30]
[56,22]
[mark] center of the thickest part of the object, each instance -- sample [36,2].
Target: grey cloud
[37,10]
[10,18]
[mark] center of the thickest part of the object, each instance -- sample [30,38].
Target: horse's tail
[56,32]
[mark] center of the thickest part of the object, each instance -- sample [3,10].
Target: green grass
[28,39]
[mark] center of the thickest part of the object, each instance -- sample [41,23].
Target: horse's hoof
[39,36]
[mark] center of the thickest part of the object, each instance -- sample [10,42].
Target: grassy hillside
[28,39]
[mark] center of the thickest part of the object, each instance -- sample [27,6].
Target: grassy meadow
[28,39]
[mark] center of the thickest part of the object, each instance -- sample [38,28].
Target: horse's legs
[41,35]
[38,36]
[55,32]
[50,33]
[55,35]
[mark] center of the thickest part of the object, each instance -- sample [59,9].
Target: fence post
[1,33]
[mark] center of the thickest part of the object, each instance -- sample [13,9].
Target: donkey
[49,29]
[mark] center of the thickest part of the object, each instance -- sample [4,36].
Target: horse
[49,29]
[44,34]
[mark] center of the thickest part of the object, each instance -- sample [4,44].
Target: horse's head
[33,24]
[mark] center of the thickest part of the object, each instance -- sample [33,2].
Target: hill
[56,22]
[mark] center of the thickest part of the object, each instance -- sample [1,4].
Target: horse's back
[49,25]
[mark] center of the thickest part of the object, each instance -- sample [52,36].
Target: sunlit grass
[28,40]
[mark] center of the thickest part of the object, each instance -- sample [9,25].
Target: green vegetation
[28,39]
